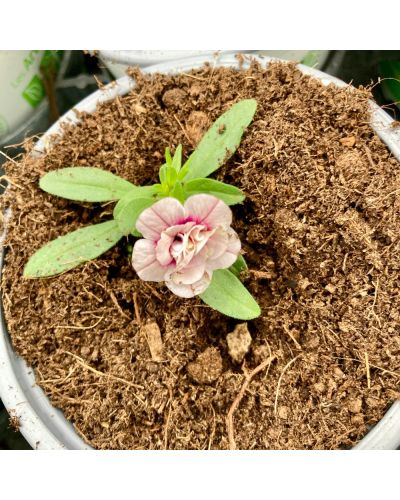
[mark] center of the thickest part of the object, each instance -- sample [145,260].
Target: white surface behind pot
[118,61]
[45,427]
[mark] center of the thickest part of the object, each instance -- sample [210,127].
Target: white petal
[189,291]
[184,291]
[163,249]
[223,262]
[234,244]
[217,244]
[145,263]
[228,258]
[202,284]
[163,214]
[207,209]
[200,236]
[190,273]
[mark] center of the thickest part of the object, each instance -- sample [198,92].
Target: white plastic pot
[314,58]
[44,426]
[118,61]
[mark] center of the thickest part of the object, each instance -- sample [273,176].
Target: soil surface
[133,366]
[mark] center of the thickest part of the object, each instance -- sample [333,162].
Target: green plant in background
[311,59]
[184,220]
[389,71]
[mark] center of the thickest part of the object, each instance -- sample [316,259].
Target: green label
[34,92]
[28,61]
[51,58]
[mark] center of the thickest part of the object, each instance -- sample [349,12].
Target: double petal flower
[184,244]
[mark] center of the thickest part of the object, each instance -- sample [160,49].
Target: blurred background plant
[389,72]
[37,87]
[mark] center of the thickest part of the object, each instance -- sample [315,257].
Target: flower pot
[118,61]
[44,426]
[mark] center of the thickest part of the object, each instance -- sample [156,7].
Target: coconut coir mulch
[133,366]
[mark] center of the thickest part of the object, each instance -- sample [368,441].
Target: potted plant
[132,365]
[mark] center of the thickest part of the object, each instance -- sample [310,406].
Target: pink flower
[184,244]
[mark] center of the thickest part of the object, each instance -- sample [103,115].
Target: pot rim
[148,58]
[44,426]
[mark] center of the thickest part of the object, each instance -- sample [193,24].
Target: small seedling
[183,221]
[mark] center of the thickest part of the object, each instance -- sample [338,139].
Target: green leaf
[171,176]
[178,192]
[141,191]
[221,140]
[128,209]
[390,73]
[177,160]
[162,174]
[228,295]
[85,184]
[225,192]
[183,171]
[67,252]
[168,176]
[147,192]
[239,266]
[168,157]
